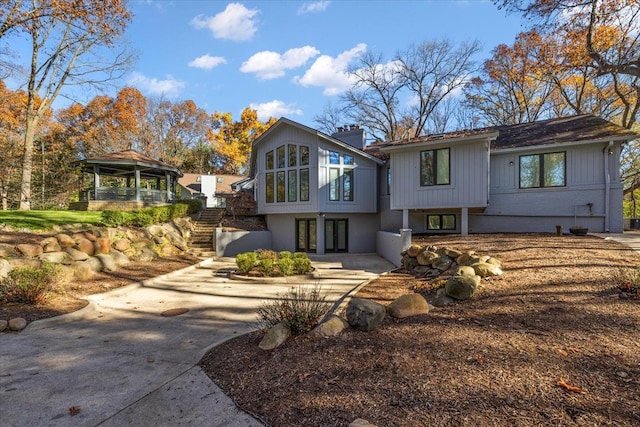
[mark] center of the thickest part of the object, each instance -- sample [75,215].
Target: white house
[322,193]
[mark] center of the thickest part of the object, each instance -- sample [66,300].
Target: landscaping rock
[331,327]
[94,263]
[102,245]
[143,243]
[462,287]
[176,240]
[119,258]
[107,261]
[82,270]
[5,268]
[484,269]
[408,305]
[28,250]
[50,244]
[6,250]
[121,245]
[85,245]
[465,270]
[76,255]
[409,263]
[275,337]
[155,230]
[442,263]
[426,257]
[465,257]
[65,241]
[414,250]
[56,257]
[360,422]
[25,262]
[442,298]
[3,325]
[17,324]
[146,255]
[364,314]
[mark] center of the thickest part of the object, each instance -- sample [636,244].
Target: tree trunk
[27,165]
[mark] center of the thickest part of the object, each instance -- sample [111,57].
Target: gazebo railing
[123,194]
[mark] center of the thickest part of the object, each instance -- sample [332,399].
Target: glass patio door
[336,233]
[306,235]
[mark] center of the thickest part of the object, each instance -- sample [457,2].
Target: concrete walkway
[121,363]
[629,238]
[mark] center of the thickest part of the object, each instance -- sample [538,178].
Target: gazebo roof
[125,162]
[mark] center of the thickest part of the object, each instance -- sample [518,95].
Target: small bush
[300,309]
[285,254]
[267,254]
[246,262]
[142,219]
[266,267]
[285,265]
[301,265]
[628,281]
[300,255]
[113,218]
[28,284]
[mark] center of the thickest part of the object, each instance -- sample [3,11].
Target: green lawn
[44,220]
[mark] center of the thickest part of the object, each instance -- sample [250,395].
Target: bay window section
[434,167]
[280,185]
[334,181]
[543,170]
[292,185]
[269,196]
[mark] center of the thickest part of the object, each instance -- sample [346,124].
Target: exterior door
[306,235]
[336,232]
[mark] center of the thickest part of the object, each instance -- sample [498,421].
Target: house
[331,193]
[214,187]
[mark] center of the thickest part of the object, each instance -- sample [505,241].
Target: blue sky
[286,58]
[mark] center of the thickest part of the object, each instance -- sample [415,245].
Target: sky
[287,58]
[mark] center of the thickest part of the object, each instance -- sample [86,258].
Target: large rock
[465,270]
[484,269]
[56,257]
[121,244]
[414,250]
[331,327]
[6,250]
[102,245]
[76,255]
[85,235]
[464,258]
[462,287]
[3,325]
[146,255]
[107,261]
[409,263]
[155,230]
[17,324]
[176,240]
[119,258]
[442,298]
[143,243]
[442,263]
[94,263]
[275,337]
[5,268]
[82,270]
[426,257]
[364,314]
[361,422]
[50,244]
[25,262]
[65,241]
[85,245]
[28,250]
[408,305]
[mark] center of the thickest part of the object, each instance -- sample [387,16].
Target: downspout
[607,185]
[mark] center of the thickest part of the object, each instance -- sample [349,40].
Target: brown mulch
[551,342]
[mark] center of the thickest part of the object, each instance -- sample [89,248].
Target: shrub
[300,309]
[28,284]
[266,267]
[142,219]
[267,254]
[285,254]
[192,205]
[628,281]
[285,265]
[246,262]
[301,265]
[300,255]
[113,218]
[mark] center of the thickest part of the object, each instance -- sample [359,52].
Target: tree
[232,141]
[68,40]
[12,109]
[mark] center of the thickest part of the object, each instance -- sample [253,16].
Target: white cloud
[169,87]
[331,73]
[313,7]
[275,108]
[271,65]
[207,62]
[235,22]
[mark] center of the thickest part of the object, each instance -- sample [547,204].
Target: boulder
[6,250]
[28,250]
[25,262]
[119,258]
[426,257]
[82,270]
[102,245]
[17,324]
[143,243]
[409,263]
[121,244]
[275,337]
[5,268]
[84,235]
[484,269]
[414,250]
[465,257]
[331,327]
[442,298]
[465,270]
[361,422]
[408,305]
[462,287]
[155,230]
[364,314]
[146,255]
[452,253]
[94,263]
[442,263]
[56,257]
[50,244]
[85,245]
[494,261]
[176,240]
[65,241]
[107,261]
[3,325]
[76,255]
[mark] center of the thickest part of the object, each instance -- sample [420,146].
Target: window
[292,185]
[269,160]
[281,157]
[347,185]
[280,186]
[434,167]
[441,222]
[334,181]
[304,155]
[293,155]
[347,159]
[269,187]
[334,158]
[543,170]
[304,185]
[389,180]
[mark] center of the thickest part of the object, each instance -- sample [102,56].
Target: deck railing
[124,194]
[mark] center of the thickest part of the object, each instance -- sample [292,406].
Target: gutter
[607,184]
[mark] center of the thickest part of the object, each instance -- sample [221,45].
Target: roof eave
[480,137]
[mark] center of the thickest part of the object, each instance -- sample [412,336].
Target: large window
[292,185]
[293,155]
[334,184]
[434,167]
[441,222]
[304,155]
[289,181]
[341,175]
[280,186]
[304,185]
[543,170]
[347,185]
[270,188]
[281,156]
[269,160]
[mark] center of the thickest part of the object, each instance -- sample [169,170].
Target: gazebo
[135,181]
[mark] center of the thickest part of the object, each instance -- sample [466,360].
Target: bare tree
[331,117]
[72,43]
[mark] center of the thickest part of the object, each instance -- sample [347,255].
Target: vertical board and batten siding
[469,171]
[365,190]
[541,209]
[283,136]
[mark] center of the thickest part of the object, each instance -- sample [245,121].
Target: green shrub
[285,265]
[267,254]
[300,309]
[142,219]
[192,205]
[300,255]
[301,265]
[285,254]
[266,267]
[113,218]
[246,262]
[28,284]
[628,281]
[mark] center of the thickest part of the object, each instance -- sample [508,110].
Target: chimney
[352,135]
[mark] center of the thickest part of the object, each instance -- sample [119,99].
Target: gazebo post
[137,175]
[167,180]
[96,181]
